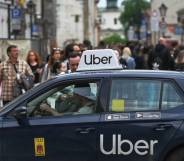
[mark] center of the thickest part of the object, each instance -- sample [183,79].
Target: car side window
[171,97]
[134,95]
[70,99]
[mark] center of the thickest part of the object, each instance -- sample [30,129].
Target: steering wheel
[37,111]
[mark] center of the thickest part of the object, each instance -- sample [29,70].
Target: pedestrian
[35,62]
[60,68]
[50,69]
[127,57]
[76,48]
[179,62]
[161,56]
[87,44]
[63,68]
[10,71]
[73,61]
[1,101]
[139,58]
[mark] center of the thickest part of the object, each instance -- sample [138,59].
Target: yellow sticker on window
[118,105]
[39,147]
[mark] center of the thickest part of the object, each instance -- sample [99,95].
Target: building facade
[92,32]
[30,21]
[110,23]
[76,21]
[170,25]
[69,21]
[3,19]
[48,23]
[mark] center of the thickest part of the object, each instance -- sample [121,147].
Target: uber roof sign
[99,60]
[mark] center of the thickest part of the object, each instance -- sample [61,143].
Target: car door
[135,128]
[70,138]
[41,136]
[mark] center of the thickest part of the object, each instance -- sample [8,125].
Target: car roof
[128,73]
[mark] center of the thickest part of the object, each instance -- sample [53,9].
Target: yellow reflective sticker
[118,105]
[39,147]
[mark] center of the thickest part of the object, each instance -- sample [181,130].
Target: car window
[171,97]
[74,98]
[134,95]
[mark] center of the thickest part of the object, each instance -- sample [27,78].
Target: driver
[81,95]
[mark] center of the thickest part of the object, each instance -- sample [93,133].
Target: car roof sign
[100,59]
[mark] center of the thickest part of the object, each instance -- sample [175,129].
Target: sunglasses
[56,49]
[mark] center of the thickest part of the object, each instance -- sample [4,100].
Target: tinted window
[134,95]
[171,98]
[74,98]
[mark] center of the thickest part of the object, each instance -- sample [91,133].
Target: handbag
[17,89]
[24,81]
[27,81]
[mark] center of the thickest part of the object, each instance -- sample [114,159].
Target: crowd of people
[61,61]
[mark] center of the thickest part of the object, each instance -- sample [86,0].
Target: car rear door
[135,128]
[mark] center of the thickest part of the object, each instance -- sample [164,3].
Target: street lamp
[31,10]
[181,24]
[182,34]
[9,3]
[163,11]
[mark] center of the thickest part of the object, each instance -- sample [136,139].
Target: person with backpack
[160,58]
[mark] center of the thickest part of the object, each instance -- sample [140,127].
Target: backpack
[123,62]
[157,63]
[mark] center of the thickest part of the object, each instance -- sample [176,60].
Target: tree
[114,39]
[133,14]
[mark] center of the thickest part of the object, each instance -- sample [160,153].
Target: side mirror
[20,114]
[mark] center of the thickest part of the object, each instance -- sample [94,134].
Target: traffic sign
[163,26]
[154,24]
[154,21]
[16,13]
[131,33]
[35,30]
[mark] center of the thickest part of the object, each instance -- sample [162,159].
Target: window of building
[76,18]
[115,21]
[103,21]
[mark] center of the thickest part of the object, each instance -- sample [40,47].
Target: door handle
[163,127]
[85,130]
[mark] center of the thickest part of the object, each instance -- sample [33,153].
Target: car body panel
[62,137]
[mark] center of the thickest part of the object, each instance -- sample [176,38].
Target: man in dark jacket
[161,57]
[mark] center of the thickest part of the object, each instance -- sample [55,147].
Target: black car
[109,115]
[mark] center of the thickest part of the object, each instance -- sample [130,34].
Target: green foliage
[133,12]
[114,39]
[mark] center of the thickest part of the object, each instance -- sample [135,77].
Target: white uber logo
[92,59]
[98,60]
[140,147]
